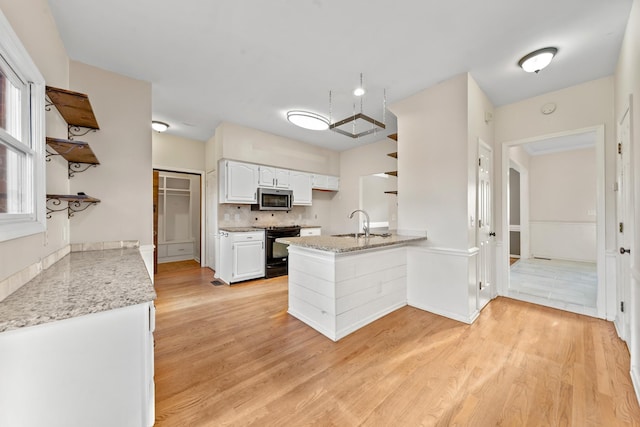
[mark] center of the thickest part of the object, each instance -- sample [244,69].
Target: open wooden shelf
[392,173]
[394,155]
[393,136]
[75,203]
[73,151]
[74,107]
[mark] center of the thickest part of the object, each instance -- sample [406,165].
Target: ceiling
[250,61]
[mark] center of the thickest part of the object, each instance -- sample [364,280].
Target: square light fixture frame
[379,125]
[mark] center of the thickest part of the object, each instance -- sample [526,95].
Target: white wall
[175,153]
[581,106]
[33,23]
[562,186]
[123,180]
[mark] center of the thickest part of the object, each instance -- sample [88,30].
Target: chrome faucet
[366,227]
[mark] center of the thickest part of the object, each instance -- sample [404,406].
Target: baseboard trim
[635,380]
[445,313]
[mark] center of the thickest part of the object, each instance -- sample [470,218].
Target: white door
[624,226]
[485,225]
[211,221]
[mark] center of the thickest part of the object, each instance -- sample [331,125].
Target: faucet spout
[366,228]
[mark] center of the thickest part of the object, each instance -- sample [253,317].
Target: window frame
[13,226]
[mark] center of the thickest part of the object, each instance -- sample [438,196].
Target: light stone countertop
[80,283]
[339,244]
[240,229]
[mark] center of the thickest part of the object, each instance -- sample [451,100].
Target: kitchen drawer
[315,231]
[176,249]
[247,236]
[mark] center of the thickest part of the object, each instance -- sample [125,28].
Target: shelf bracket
[75,168]
[75,131]
[73,206]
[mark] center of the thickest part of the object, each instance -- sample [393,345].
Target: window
[22,175]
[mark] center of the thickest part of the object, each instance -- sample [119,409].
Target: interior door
[156,181]
[485,225]
[624,226]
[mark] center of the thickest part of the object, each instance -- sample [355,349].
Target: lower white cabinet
[93,370]
[242,255]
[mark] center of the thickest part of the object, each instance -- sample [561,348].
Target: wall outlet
[236,217]
[226,217]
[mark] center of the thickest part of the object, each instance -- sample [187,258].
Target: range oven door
[277,253]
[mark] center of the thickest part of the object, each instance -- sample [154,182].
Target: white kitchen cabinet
[271,177]
[310,231]
[301,186]
[238,182]
[242,255]
[326,182]
[92,370]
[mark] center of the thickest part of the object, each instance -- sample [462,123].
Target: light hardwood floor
[233,356]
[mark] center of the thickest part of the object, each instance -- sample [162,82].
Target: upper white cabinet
[238,182]
[301,186]
[326,182]
[273,177]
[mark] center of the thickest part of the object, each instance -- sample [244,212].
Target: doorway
[560,224]
[178,205]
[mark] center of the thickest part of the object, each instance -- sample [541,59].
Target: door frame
[601,298]
[203,252]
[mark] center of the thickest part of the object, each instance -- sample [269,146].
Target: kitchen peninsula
[338,284]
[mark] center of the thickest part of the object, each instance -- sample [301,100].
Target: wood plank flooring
[233,356]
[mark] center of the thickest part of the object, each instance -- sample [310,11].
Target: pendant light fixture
[372,124]
[537,60]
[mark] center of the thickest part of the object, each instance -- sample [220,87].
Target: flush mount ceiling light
[308,120]
[159,126]
[372,125]
[537,60]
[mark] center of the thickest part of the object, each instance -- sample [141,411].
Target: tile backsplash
[242,215]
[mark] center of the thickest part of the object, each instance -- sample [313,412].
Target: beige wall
[562,186]
[354,163]
[432,163]
[123,180]
[578,107]
[174,152]
[241,143]
[33,23]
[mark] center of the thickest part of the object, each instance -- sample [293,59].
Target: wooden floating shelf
[74,107]
[394,155]
[75,203]
[73,151]
[392,173]
[391,192]
[394,136]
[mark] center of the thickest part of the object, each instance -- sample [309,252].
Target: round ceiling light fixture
[537,60]
[159,126]
[308,120]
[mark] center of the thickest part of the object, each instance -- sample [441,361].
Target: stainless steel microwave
[271,199]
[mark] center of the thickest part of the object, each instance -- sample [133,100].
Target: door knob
[624,251]
[493,233]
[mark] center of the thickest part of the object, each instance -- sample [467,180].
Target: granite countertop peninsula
[348,243]
[80,283]
[240,229]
